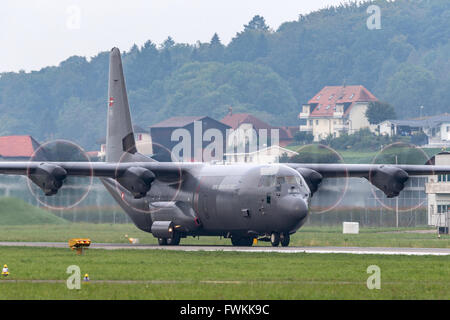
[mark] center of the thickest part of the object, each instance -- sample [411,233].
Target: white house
[271,154]
[143,141]
[437,128]
[336,109]
[438,190]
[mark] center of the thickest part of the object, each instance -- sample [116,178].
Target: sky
[39,33]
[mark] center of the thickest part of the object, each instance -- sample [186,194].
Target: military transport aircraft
[173,200]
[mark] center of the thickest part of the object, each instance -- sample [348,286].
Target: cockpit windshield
[293,183]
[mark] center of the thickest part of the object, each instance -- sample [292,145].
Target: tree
[268,74]
[216,49]
[303,137]
[168,43]
[379,111]
[410,87]
[257,23]
[315,154]
[215,41]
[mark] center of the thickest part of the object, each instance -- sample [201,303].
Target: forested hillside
[269,73]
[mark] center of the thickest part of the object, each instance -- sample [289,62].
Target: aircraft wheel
[162,241]
[175,240]
[285,238]
[275,239]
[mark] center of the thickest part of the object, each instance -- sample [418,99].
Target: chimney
[230,110]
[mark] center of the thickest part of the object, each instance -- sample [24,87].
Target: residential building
[165,137]
[20,148]
[438,191]
[335,110]
[143,140]
[244,123]
[436,128]
[267,155]
[141,137]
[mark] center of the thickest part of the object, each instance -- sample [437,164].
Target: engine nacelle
[162,229]
[389,179]
[48,177]
[137,180]
[312,178]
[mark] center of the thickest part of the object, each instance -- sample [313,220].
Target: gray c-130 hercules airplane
[173,200]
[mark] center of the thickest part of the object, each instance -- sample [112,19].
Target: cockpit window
[293,183]
[267,181]
[293,180]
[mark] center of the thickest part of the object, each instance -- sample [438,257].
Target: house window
[310,122]
[317,122]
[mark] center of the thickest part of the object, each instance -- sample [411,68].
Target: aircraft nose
[294,209]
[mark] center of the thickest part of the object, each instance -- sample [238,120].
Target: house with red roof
[18,148]
[336,109]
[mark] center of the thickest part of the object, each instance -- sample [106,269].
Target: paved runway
[351,250]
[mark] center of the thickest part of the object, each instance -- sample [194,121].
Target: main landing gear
[277,238]
[173,241]
[242,241]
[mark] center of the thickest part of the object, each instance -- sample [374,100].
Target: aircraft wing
[97,169]
[335,170]
[388,178]
[136,177]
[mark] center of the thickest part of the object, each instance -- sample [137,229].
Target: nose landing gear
[277,238]
[285,239]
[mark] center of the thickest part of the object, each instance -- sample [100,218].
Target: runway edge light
[5,271]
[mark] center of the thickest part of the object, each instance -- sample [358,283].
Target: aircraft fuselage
[225,200]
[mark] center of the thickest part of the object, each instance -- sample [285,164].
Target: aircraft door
[206,201]
[268,193]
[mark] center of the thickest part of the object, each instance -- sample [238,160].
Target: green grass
[222,275]
[306,236]
[15,211]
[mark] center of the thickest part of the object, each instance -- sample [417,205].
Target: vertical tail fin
[120,136]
